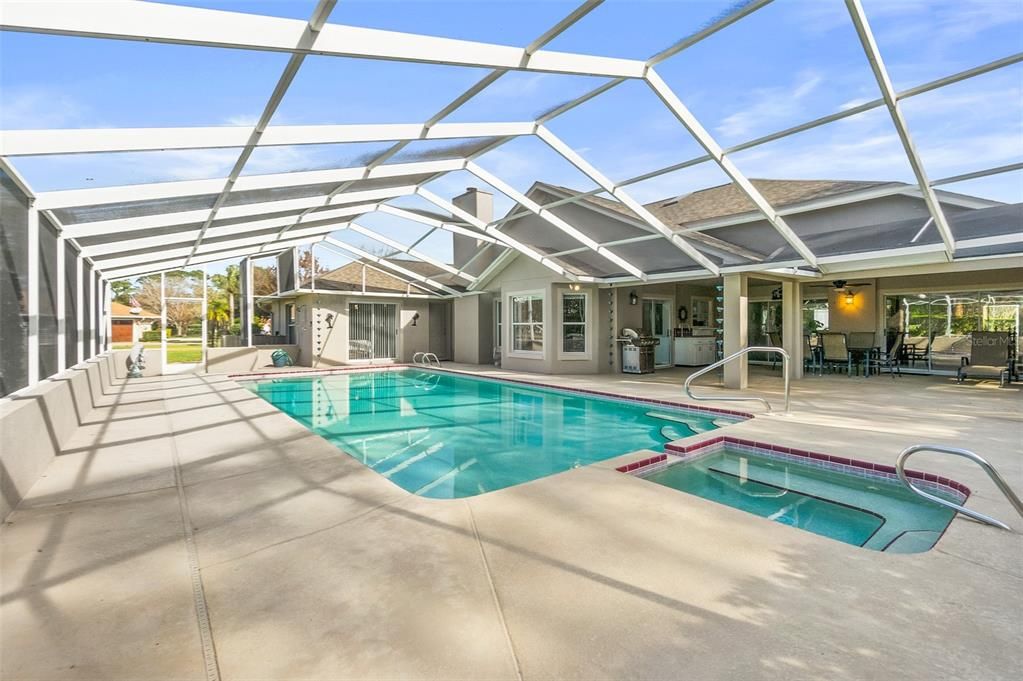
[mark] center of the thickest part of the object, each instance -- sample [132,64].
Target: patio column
[792,325]
[736,294]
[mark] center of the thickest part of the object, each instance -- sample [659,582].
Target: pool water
[447,436]
[871,512]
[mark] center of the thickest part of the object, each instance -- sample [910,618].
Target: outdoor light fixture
[415,318]
[849,297]
[575,287]
[633,298]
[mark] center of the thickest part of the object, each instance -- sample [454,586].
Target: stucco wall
[231,360]
[36,423]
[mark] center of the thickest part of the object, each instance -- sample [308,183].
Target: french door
[372,331]
[657,322]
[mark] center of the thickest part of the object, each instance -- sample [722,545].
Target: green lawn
[177,352]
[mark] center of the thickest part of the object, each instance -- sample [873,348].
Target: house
[128,322]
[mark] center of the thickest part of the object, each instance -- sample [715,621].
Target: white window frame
[510,345]
[499,323]
[587,325]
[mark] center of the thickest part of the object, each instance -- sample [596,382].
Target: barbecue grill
[637,352]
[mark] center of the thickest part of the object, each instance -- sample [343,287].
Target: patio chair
[862,345]
[774,341]
[917,347]
[991,352]
[810,356]
[836,351]
[890,360]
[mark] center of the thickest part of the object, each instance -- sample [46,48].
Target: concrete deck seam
[978,564]
[209,651]
[493,593]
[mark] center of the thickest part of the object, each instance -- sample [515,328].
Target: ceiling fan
[841,285]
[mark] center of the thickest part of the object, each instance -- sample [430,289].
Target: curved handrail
[900,469]
[430,358]
[726,360]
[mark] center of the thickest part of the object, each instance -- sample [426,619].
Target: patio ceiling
[134,229]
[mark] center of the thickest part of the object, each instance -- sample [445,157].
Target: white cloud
[772,106]
[38,108]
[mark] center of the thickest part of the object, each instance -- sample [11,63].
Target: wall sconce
[633,298]
[850,297]
[415,318]
[575,287]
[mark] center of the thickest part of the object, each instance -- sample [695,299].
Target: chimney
[481,204]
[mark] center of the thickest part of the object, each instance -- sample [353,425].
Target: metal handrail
[418,357]
[726,360]
[900,469]
[431,358]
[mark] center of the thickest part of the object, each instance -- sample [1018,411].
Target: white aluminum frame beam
[101,227]
[554,220]
[437,224]
[891,101]
[64,141]
[151,22]
[306,41]
[170,264]
[493,232]
[333,243]
[566,152]
[781,134]
[408,250]
[69,198]
[704,139]
[113,261]
[32,302]
[135,243]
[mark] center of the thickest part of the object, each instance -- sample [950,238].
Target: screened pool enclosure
[350,135]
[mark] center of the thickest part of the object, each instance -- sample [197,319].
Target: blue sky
[789,62]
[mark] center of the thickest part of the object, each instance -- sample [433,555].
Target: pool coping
[680,453]
[732,413]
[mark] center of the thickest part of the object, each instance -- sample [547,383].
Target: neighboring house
[127,323]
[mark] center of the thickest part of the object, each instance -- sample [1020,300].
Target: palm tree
[229,284]
[217,313]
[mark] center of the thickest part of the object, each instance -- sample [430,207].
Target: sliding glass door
[372,331]
[936,328]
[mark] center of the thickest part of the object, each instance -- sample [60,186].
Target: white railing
[737,398]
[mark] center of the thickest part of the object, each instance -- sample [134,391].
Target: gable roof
[726,200]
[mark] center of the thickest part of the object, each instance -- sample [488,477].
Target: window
[527,324]
[574,339]
[498,324]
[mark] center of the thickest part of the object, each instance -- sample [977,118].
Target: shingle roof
[120,310]
[725,200]
[349,277]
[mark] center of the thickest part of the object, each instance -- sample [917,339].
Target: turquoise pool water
[864,511]
[448,436]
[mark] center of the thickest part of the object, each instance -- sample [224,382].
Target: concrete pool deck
[310,566]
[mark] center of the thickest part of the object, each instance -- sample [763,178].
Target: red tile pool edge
[686,450]
[587,391]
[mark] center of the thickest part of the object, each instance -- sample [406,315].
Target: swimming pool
[853,505]
[447,436]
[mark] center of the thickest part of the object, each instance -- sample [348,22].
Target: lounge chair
[917,347]
[991,352]
[836,351]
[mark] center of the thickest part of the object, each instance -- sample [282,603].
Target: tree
[308,265]
[228,285]
[264,280]
[122,291]
[181,284]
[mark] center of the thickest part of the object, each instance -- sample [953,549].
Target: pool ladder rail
[426,359]
[900,469]
[738,398]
